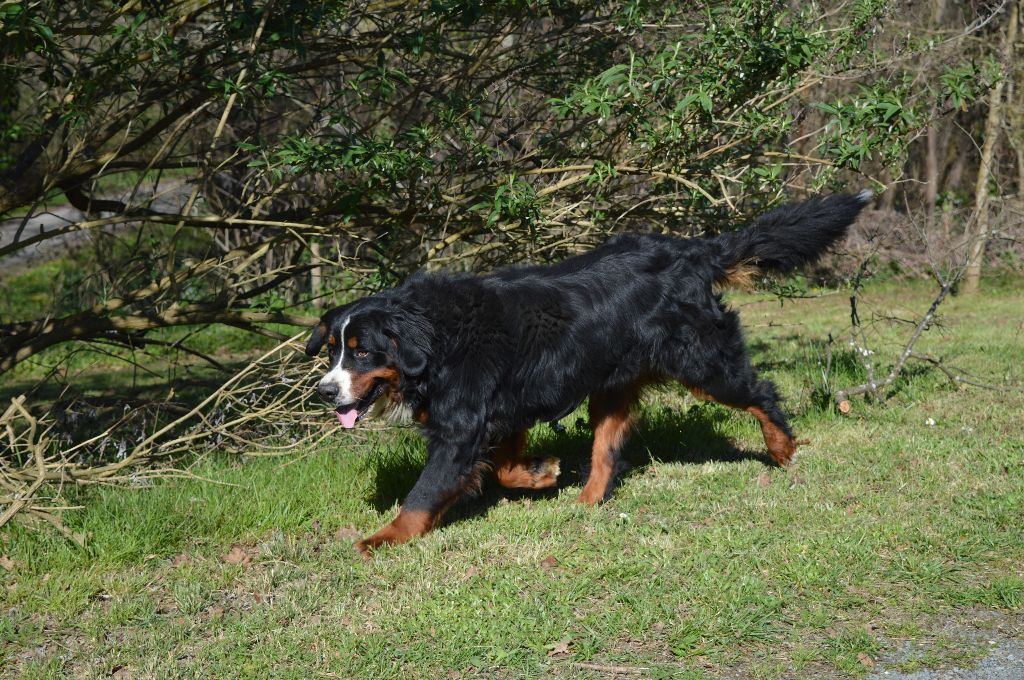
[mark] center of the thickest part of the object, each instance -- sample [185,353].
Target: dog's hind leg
[710,358]
[760,399]
[610,419]
[516,471]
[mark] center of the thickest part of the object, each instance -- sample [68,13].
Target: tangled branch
[264,409]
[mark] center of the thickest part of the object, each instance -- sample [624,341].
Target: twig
[872,386]
[617,670]
[957,377]
[261,410]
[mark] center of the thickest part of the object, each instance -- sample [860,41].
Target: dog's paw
[546,473]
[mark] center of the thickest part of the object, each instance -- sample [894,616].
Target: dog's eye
[362,354]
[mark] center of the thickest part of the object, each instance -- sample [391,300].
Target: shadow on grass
[691,437]
[85,406]
[766,356]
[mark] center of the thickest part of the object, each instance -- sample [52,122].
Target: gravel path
[997,634]
[1005,661]
[171,198]
[37,224]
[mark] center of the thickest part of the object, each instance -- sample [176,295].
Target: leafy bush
[383,138]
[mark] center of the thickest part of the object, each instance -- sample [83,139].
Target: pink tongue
[348,418]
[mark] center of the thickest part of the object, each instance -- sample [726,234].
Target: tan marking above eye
[330,340]
[352,342]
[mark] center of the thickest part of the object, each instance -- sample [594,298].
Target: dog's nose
[327,391]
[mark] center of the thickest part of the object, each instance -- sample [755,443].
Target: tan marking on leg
[515,471]
[407,525]
[701,394]
[611,422]
[412,523]
[780,445]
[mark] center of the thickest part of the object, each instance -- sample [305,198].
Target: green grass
[705,563]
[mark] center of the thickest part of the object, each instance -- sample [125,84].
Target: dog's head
[376,350]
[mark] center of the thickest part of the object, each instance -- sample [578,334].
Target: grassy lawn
[899,528]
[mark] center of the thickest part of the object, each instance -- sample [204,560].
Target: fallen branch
[872,386]
[264,409]
[20,341]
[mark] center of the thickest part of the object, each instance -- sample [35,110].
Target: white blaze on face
[338,375]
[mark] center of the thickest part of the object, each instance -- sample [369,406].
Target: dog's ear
[410,333]
[317,339]
[412,360]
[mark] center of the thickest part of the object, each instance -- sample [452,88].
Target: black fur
[484,358]
[792,235]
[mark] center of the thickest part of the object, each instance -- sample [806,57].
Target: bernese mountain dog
[478,360]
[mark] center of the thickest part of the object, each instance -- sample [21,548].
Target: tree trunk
[1015,131]
[952,175]
[1020,172]
[316,273]
[993,123]
[931,159]
[931,172]
[887,199]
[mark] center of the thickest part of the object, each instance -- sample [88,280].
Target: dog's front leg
[453,467]
[408,525]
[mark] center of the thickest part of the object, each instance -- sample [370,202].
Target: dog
[478,360]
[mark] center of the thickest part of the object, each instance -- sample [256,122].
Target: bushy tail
[787,237]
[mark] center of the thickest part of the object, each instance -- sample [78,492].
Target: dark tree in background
[232,161]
